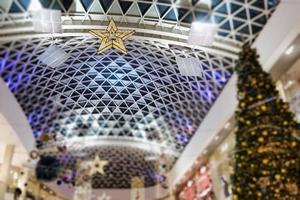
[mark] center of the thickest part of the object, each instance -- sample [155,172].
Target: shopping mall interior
[149,100]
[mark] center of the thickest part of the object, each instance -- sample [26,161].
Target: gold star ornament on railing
[112,37]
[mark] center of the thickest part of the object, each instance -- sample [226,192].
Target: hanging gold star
[97,166]
[112,37]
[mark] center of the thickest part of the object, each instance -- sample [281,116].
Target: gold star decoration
[97,166]
[112,37]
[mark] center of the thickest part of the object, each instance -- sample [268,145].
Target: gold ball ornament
[261,139]
[265,172]
[277,177]
[263,108]
[275,132]
[294,144]
[265,161]
[259,194]
[264,181]
[265,133]
[293,161]
[292,188]
[260,150]
[241,95]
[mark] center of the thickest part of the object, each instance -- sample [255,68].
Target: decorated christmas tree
[266,157]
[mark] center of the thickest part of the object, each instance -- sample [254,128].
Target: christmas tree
[266,161]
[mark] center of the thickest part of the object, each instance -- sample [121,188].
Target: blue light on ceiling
[2,65]
[182,138]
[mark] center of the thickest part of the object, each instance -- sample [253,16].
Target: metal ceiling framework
[237,20]
[139,98]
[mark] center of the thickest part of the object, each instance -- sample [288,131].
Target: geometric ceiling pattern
[140,96]
[237,20]
[123,164]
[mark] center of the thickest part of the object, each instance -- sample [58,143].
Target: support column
[5,169]
[22,181]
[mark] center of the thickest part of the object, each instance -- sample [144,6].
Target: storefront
[199,186]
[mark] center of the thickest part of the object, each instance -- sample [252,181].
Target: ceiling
[138,98]
[237,20]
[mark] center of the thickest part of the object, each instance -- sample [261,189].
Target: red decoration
[199,187]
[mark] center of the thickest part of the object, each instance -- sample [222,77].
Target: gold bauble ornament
[265,172]
[283,170]
[293,161]
[265,161]
[259,194]
[275,132]
[263,108]
[292,188]
[260,150]
[277,177]
[264,182]
[261,139]
[241,95]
